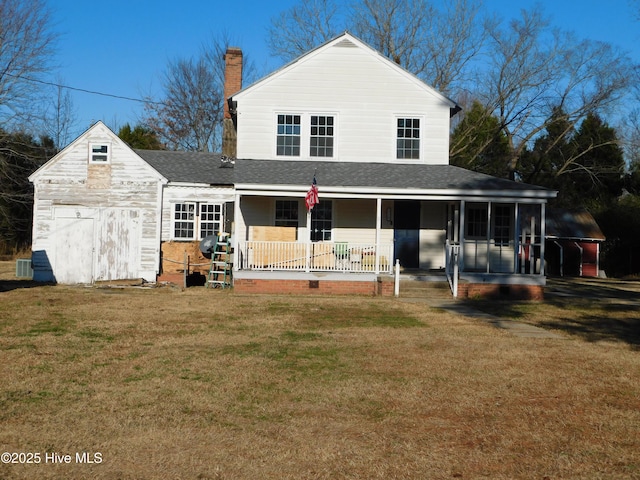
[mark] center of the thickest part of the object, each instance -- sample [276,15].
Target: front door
[406,223]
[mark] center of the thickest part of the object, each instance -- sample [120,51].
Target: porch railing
[315,257]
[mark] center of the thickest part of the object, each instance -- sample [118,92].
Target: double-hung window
[321,139]
[184,221]
[305,134]
[194,220]
[408,138]
[286,213]
[210,219]
[288,138]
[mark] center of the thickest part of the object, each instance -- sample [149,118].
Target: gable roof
[572,225]
[189,167]
[378,176]
[98,128]
[347,39]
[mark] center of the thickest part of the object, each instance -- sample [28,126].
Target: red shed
[572,243]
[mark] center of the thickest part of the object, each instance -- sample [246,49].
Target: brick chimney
[232,84]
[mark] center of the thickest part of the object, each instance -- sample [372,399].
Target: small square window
[99,153]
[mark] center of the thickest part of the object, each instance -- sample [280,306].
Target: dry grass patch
[208,384]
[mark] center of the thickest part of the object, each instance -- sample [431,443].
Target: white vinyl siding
[366,93]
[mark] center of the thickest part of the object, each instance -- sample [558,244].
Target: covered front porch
[491,237]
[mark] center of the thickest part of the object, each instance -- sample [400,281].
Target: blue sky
[121,47]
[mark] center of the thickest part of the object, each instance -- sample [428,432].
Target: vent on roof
[346,43]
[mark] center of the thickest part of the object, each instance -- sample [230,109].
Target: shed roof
[374,175]
[574,225]
[189,167]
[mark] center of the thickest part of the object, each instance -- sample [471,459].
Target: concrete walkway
[516,328]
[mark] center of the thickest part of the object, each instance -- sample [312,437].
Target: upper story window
[321,140]
[408,138]
[99,153]
[288,140]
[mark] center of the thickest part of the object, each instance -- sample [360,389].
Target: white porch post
[516,237]
[235,233]
[543,233]
[461,234]
[307,265]
[378,228]
[489,205]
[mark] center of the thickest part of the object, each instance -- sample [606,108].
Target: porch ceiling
[378,176]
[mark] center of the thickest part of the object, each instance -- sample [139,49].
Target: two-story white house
[375,139]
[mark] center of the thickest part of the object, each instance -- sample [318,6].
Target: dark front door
[406,224]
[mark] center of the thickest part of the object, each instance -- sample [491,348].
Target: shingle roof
[189,167]
[373,175]
[576,225]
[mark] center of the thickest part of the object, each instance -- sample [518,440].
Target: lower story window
[286,213]
[210,219]
[321,221]
[194,221]
[476,222]
[184,218]
[502,215]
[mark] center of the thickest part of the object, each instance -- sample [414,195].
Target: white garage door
[74,250]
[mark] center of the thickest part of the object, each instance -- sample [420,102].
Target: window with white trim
[408,138]
[184,220]
[210,219]
[321,139]
[286,213]
[99,153]
[195,220]
[288,138]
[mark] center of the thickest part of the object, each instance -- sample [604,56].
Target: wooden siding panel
[125,187]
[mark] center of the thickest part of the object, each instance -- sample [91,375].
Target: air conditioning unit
[23,268]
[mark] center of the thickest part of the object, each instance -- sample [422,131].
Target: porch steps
[425,286]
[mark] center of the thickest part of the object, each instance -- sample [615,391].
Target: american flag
[312,195]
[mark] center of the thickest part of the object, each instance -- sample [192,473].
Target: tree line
[539,105]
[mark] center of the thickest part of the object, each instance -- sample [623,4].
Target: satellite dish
[208,245]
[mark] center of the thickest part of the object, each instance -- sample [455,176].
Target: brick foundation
[497,291]
[311,287]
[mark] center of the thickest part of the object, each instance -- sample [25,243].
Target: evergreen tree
[140,137]
[478,143]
